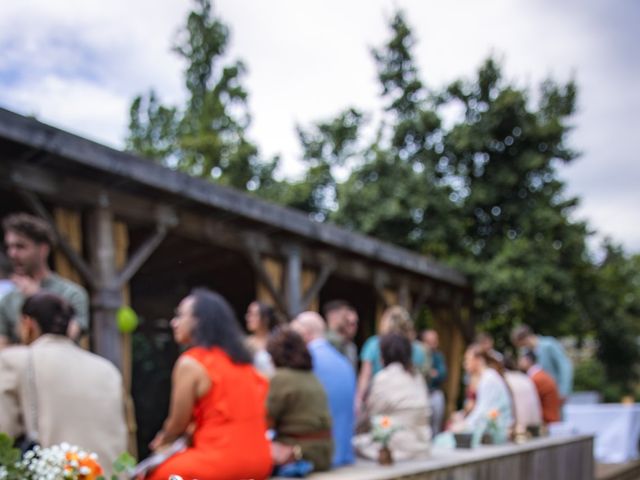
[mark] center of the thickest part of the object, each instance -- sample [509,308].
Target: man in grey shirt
[29,241]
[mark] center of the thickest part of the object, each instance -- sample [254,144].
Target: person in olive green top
[297,405]
[29,241]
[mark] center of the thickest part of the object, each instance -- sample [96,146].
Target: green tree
[613,298]
[521,248]
[326,146]
[206,137]
[396,193]
[481,190]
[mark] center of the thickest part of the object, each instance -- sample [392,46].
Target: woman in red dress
[217,393]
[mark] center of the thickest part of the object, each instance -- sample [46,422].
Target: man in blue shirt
[338,379]
[550,354]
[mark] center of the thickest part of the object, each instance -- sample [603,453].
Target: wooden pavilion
[133,232]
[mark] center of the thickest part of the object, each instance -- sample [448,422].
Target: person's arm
[10,415]
[563,367]
[7,327]
[277,399]
[189,382]
[364,378]
[79,300]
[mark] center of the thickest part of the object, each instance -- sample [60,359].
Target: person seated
[53,391]
[526,403]
[545,386]
[399,393]
[260,320]
[338,379]
[297,405]
[492,406]
[215,386]
[395,319]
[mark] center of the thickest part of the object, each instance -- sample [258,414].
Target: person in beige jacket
[53,391]
[399,393]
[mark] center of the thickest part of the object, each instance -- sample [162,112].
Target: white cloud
[78,64]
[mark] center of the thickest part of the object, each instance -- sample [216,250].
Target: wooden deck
[618,471]
[558,458]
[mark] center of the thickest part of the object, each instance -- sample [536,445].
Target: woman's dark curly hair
[217,325]
[288,350]
[50,312]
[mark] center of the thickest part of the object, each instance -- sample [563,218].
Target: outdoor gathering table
[615,427]
[557,458]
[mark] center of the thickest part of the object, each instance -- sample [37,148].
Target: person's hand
[158,442]
[281,453]
[26,285]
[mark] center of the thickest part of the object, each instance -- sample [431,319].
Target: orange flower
[91,467]
[493,414]
[87,467]
[385,422]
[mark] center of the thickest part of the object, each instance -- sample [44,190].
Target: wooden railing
[561,458]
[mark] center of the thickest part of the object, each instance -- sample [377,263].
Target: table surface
[615,426]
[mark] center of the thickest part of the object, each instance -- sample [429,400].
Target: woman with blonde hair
[395,319]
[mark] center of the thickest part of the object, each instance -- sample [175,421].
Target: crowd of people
[283,398]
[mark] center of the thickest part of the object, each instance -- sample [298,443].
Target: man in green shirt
[28,241]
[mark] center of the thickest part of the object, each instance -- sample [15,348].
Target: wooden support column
[386,297]
[294,280]
[312,284]
[452,344]
[107,297]
[269,280]
[308,279]
[404,296]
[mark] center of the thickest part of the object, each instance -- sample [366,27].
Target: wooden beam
[222,228]
[254,257]
[314,289]
[425,292]
[141,255]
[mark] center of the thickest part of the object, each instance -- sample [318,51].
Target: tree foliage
[467,172]
[207,136]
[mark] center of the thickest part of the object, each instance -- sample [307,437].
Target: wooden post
[273,269]
[387,298]
[107,297]
[452,345]
[308,279]
[404,296]
[294,280]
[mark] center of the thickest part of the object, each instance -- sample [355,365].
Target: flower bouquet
[59,462]
[382,429]
[492,430]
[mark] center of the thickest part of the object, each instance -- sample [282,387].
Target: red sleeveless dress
[229,441]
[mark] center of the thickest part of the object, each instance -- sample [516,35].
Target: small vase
[486,439]
[384,456]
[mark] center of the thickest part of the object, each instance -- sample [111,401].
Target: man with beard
[28,241]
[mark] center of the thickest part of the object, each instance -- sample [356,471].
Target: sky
[77,64]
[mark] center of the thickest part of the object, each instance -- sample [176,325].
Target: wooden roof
[28,141]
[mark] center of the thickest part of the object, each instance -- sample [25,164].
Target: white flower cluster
[53,463]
